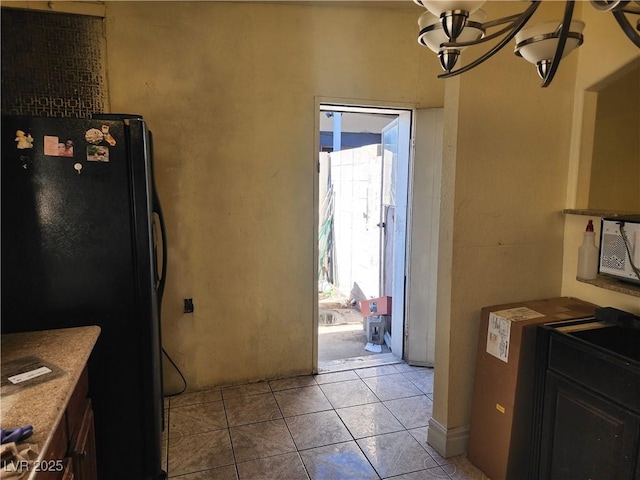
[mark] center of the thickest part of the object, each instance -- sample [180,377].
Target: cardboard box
[502,408]
[376,306]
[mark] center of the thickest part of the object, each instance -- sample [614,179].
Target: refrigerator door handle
[163,241]
[157,210]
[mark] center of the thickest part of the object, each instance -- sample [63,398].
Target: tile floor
[369,423]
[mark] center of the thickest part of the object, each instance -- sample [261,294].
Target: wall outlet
[188,305]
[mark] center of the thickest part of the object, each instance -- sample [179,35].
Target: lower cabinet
[587,411]
[585,436]
[72,452]
[67,473]
[83,447]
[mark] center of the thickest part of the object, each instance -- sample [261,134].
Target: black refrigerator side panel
[151,385]
[73,254]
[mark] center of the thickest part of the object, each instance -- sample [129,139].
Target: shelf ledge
[614,285]
[592,212]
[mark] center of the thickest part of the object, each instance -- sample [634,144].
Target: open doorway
[363,186]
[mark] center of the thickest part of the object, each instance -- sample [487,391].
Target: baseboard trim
[448,442]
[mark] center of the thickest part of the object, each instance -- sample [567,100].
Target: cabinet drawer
[604,373]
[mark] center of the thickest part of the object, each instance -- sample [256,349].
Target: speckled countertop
[42,405]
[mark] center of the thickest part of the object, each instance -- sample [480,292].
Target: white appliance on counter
[620,248]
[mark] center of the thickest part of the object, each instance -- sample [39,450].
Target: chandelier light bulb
[537,44]
[432,35]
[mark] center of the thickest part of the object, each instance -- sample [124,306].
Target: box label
[499,330]
[498,337]
[519,314]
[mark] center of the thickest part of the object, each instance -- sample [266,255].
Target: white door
[389,158]
[396,139]
[410,229]
[422,269]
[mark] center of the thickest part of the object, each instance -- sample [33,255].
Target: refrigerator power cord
[184,380]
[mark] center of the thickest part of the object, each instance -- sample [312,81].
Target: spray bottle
[588,255]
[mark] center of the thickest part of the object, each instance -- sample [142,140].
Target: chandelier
[447,27]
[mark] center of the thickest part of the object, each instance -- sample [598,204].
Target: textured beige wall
[509,140]
[608,53]
[615,162]
[228,89]
[597,60]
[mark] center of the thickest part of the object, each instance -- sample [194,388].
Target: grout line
[291,435]
[233,450]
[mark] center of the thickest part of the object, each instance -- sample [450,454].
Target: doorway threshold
[357,362]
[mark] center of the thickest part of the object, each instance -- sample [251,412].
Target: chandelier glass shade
[433,35]
[448,27]
[538,44]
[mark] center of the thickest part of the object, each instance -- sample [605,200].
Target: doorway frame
[353,105]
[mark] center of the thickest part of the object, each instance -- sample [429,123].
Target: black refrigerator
[83,244]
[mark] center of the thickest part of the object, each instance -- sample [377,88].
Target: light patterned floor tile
[165,422]
[282,467]
[340,461]
[368,420]
[293,382]
[244,390]
[222,473]
[412,412]
[395,453]
[258,440]
[303,428]
[299,401]
[461,468]
[376,371]
[202,451]
[390,387]
[336,377]
[423,379]
[317,429]
[405,367]
[436,473]
[420,434]
[197,418]
[251,409]
[191,398]
[348,393]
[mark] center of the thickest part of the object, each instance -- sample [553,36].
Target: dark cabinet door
[83,447]
[67,474]
[585,436]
